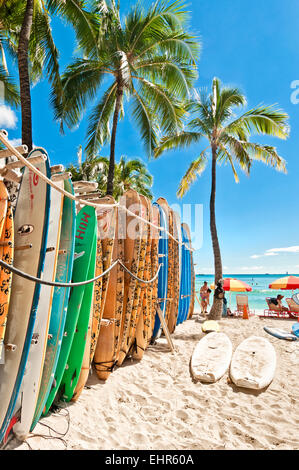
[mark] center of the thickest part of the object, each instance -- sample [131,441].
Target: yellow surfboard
[6,254]
[209,326]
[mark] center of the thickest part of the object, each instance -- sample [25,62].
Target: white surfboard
[253,363]
[29,223]
[211,357]
[34,367]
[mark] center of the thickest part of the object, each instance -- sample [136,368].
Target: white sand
[154,404]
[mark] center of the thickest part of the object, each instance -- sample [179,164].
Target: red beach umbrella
[285,283]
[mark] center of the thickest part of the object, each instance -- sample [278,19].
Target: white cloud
[289,249]
[8,118]
[15,142]
[268,253]
[251,268]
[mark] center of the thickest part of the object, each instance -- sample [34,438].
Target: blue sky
[253,45]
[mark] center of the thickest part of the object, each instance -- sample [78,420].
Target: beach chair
[294,308]
[242,301]
[274,311]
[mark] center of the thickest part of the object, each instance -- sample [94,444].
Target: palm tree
[26,28]
[148,58]
[128,174]
[227,141]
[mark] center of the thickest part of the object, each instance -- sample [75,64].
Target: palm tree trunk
[118,103]
[216,309]
[24,75]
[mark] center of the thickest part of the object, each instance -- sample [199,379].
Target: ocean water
[256,298]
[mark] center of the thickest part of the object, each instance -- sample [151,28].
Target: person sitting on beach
[203,296]
[276,302]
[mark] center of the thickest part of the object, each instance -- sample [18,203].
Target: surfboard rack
[165,329]
[10,175]
[10,347]
[60,176]
[57,169]
[35,160]
[7,153]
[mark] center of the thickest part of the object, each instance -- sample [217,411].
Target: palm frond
[195,169]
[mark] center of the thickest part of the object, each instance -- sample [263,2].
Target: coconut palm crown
[227,136]
[149,58]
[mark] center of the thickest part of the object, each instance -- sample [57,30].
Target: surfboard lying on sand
[211,357]
[253,363]
[209,326]
[280,333]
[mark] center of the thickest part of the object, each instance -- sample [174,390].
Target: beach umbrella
[285,283]
[234,285]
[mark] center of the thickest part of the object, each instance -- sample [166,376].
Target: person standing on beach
[204,296]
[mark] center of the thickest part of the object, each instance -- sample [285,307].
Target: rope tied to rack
[38,280]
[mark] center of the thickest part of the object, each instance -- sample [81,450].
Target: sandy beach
[154,404]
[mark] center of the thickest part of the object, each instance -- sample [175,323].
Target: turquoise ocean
[260,289]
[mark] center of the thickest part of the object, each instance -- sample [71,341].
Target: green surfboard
[86,225]
[74,363]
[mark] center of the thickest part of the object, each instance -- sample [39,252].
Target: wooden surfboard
[60,299]
[139,291]
[105,244]
[104,358]
[34,368]
[191,273]
[31,228]
[132,242]
[6,254]
[177,224]
[145,302]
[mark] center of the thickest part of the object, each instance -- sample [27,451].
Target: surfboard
[139,291]
[175,274]
[132,242]
[145,302]
[295,329]
[253,363]
[210,325]
[178,232]
[169,227]
[31,229]
[192,301]
[183,283]
[190,272]
[60,299]
[154,268]
[6,254]
[106,220]
[108,340]
[85,233]
[86,364]
[34,368]
[211,357]
[75,357]
[187,273]
[162,279]
[280,333]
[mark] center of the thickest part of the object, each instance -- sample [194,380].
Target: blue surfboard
[183,286]
[188,274]
[163,273]
[280,334]
[295,329]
